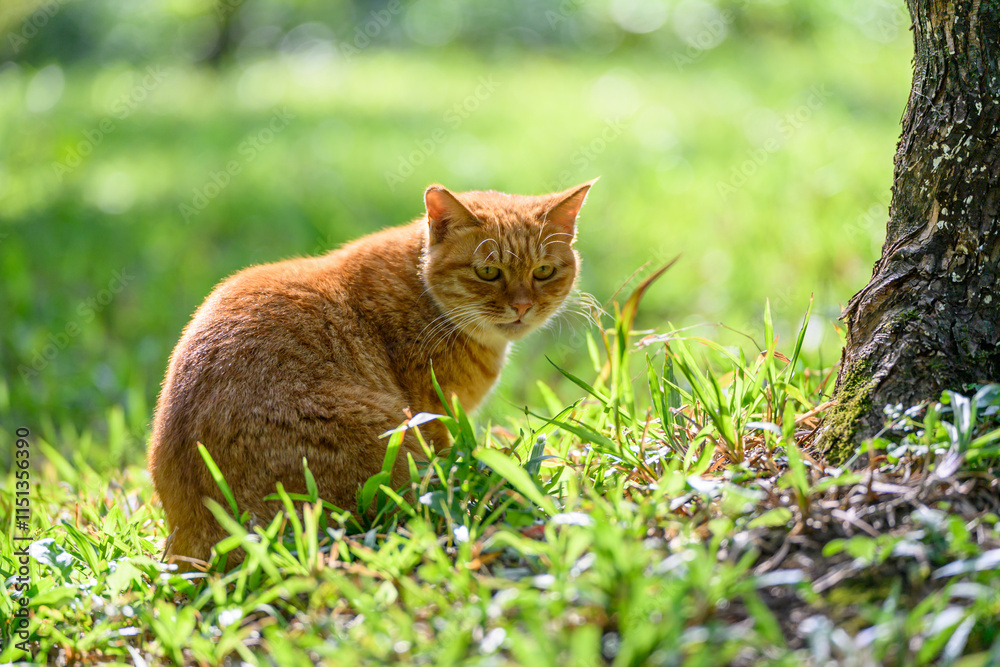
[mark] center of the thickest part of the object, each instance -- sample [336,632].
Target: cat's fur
[315,358]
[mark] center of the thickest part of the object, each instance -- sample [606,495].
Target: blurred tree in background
[217,31]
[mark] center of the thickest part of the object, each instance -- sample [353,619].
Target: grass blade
[219,479]
[517,476]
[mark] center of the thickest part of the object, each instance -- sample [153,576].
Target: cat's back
[293,293]
[274,330]
[385,260]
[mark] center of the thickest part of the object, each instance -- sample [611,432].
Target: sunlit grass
[677,511]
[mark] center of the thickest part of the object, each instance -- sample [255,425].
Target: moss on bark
[843,420]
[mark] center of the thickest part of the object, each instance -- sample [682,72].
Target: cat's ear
[567,206]
[444,212]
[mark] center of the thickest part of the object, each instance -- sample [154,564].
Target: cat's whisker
[432,335]
[567,312]
[583,317]
[431,345]
[439,324]
[546,239]
[432,322]
[579,297]
[449,319]
[475,329]
[423,293]
[448,338]
[433,325]
[575,310]
[459,318]
[487,240]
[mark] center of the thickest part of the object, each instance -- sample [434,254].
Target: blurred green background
[148,150]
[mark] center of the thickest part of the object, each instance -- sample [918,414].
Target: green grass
[674,512]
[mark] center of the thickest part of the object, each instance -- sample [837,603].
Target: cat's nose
[521,307]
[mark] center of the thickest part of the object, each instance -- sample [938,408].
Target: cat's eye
[543,272]
[488,272]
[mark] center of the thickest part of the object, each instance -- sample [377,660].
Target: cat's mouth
[517,326]
[517,329]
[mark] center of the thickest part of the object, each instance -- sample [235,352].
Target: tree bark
[929,319]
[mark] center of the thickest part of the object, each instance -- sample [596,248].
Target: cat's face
[498,265]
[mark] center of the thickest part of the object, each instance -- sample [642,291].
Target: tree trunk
[929,319]
[226,11]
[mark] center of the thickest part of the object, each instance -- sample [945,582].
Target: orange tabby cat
[317,357]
